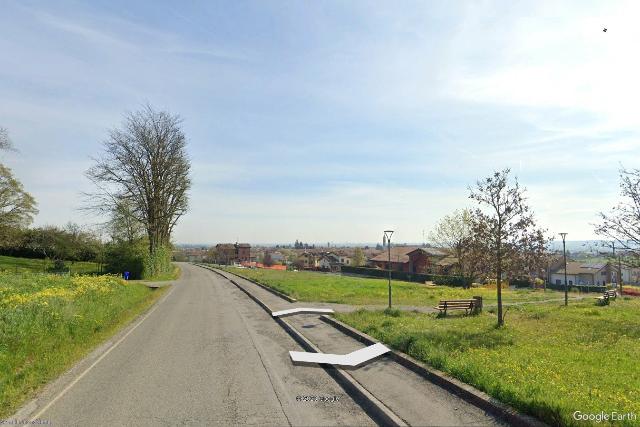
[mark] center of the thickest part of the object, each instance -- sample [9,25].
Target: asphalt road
[412,398]
[206,355]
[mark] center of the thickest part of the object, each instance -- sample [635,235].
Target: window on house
[571,282]
[558,282]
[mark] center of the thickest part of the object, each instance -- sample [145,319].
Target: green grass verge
[174,274]
[48,322]
[332,288]
[548,361]
[22,265]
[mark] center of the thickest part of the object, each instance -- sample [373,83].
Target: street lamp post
[387,236]
[619,272]
[564,251]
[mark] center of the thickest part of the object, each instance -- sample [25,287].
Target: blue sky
[331,121]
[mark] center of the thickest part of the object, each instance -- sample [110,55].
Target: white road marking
[86,371]
[301,310]
[352,359]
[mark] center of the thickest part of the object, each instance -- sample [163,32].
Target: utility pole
[564,251]
[387,237]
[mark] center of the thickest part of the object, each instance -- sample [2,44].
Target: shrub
[393,312]
[456,281]
[631,291]
[157,263]
[520,283]
[124,256]
[409,277]
[58,266]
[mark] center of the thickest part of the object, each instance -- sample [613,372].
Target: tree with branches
[453,233]
[5,140]
[622,223]
[17,207]
[358,257]
[144,172]
[504,228]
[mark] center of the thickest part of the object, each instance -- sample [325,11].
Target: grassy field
[47,322]
[21,265]
[320,287]
[548,361]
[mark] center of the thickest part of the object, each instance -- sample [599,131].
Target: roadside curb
[371,405]
[464,391]
[266,288]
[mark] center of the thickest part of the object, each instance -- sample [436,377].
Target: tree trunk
[499,282]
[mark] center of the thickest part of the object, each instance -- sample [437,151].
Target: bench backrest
[466,303]
[442,301]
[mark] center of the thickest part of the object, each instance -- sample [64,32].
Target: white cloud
[562,59]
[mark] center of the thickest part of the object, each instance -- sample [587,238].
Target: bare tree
[123,226]
[5,140]
[267,260]
[622,223]
[453,232]
[144,167]
[507,230]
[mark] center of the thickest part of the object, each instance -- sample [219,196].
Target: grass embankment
[22,265]
[47,322]
[331,288]
[174,274]
[548,361]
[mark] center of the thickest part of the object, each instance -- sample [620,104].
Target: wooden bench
[604,298]
[456,304]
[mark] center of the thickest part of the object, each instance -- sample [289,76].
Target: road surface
[206,355]
[412,398]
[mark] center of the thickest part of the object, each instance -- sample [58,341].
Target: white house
[329,262]
[344,260]
[584,274]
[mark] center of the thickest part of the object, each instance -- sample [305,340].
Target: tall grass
[548,361]
[47,322]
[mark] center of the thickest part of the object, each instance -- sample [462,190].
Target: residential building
[409,259]
[344,259]
[309,260]
[277,257]
[329,261]
[446,265]
[583,274]
[230,253]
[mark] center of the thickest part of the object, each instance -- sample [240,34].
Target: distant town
[590,263]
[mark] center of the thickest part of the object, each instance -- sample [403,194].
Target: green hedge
[581,288]
[520,283]
[408,277]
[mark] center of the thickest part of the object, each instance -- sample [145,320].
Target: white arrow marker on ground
[352,359]
[301,310]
